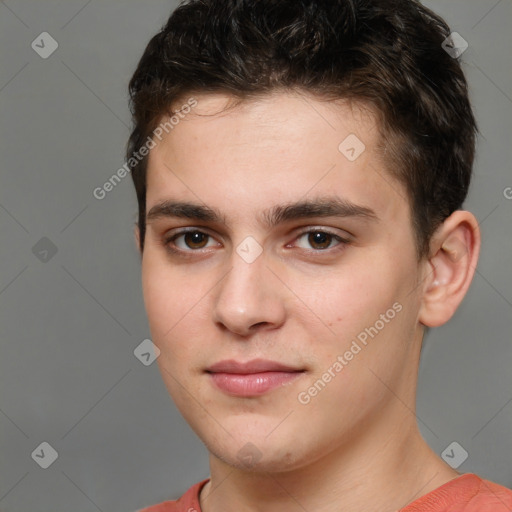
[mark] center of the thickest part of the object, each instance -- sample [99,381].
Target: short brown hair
[387,54]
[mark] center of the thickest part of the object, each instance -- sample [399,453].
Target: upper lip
[253,366]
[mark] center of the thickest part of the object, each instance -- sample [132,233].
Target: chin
[256,454]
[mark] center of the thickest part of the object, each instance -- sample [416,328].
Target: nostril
[259,324]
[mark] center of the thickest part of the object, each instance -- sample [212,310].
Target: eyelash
[169,242]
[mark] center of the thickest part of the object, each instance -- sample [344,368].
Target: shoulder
[189,502]
[466,493]
[491,497]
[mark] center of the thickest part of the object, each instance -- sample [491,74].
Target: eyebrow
[322,207]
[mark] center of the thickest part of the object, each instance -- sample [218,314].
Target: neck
[385,469]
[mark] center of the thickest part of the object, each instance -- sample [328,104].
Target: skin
[356,445]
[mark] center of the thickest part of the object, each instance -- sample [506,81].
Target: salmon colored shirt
[465,493]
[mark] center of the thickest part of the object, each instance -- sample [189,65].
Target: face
[280,278]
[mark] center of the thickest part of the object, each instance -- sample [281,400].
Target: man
[300,226]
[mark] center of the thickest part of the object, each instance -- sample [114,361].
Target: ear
[454,251]
[136,233]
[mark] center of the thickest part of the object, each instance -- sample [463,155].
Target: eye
[190,240]
[319,240]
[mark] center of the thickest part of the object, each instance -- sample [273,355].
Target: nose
[249,298]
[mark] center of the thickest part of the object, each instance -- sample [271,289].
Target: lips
[254,366]
[252,378]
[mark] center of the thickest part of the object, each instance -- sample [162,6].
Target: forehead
[276,148]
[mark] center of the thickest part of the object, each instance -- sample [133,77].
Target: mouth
[252,378]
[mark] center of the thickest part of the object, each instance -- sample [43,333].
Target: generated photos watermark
[137,156]
[357,345]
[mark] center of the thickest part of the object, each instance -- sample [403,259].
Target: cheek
[176,304]
[169,298]
[348,299]
[358,312]
[167,304]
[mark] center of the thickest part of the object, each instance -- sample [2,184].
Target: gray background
[69,325]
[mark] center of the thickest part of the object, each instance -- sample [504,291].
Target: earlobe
[454,255]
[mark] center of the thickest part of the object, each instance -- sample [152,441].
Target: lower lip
[252,384]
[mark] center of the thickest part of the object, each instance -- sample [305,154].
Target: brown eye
[319,239]
[195,239]
[190,241]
